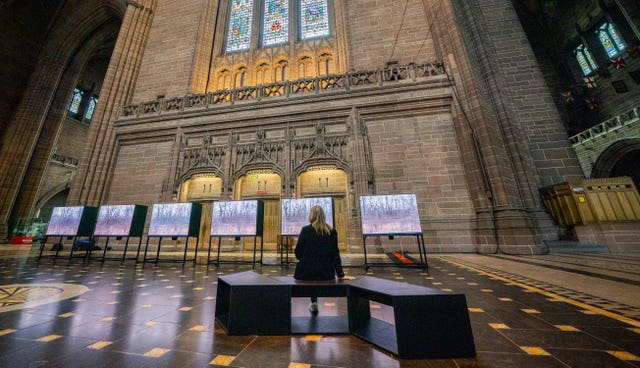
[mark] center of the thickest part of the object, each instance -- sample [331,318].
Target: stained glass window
[239,33]
[584,58]
[91,107]
[275,29]
[314,18]
[617,40]
[74,107]
[610,39]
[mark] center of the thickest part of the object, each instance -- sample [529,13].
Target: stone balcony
[593,142]
[338,83]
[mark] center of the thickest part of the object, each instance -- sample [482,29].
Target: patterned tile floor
[559,310]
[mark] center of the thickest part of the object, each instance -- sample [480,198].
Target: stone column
[91,184]
[22,135]
[505,119]
[360,180]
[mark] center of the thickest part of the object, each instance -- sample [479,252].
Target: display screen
[234,218]
[114,220]
[390,214]
[171,219]
[295,213]
[65,220]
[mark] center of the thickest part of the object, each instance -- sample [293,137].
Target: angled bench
[248,303]
[428,322]
[317,324]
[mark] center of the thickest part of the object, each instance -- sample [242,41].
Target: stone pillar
[91,183]
[22,135]
[360,180]
[506,120]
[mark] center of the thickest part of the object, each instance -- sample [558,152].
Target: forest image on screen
[170,219]
[295,213]
[234,218]
[65,220]
[390,214]
[114,220]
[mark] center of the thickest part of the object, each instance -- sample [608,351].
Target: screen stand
[421,251]
[157,257]
[218,260]
[124,254]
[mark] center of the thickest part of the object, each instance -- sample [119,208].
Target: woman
[317,252]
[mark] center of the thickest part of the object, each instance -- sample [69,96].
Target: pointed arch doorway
[264,185]
[327,181]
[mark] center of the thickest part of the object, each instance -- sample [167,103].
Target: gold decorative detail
[259,171]
[22,294]
[322,167]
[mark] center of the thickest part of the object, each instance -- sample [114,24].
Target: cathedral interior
[514,126]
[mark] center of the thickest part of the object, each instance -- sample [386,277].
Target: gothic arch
[281,70]
[305,66]
[322,161]
[223,78]
[50,194]
[245,169]
[189,174]
[608,159]
[261,74]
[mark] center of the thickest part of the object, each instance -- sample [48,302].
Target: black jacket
[318,255]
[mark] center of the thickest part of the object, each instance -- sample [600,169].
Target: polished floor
[557,310]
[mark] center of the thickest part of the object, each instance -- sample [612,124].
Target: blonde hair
[318,222]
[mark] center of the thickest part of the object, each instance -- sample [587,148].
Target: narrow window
[239,31]
[261,73]
[314,18]
[241,75]
[281,71]
[610,39]
[90,108]
[584,58]
[275,29]
[223,79]
[76,100]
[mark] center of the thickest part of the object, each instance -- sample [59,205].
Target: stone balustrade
[335,82]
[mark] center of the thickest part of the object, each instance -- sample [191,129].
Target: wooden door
[271,226]
[205,226]
[340,221]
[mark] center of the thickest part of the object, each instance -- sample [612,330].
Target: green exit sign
[254,177]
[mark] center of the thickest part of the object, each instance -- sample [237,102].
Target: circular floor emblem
[18,296]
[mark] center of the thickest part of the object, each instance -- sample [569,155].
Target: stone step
[567,246]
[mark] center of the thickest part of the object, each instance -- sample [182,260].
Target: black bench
[249,303]
[317,324]
[429,323]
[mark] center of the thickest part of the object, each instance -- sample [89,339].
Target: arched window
[261,73]
[88,115]
[239,26]
[610,39]
[324,63]
[76,100]
[241,76]
[314,19]
[281,71]
[223,79]
[275,29]
[304,67]
[584,58]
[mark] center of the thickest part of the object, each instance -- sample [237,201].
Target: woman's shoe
[313,308]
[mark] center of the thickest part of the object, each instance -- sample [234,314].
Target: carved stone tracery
[288,155]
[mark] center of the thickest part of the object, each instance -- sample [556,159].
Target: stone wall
[167,64]
[372,32]
[139,173]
